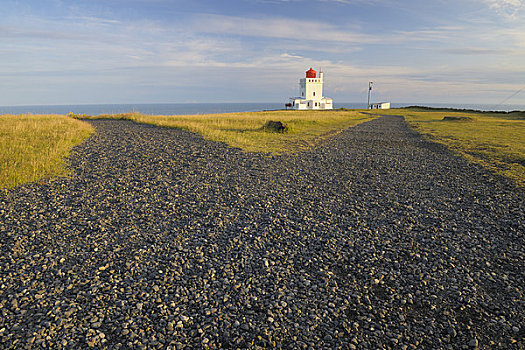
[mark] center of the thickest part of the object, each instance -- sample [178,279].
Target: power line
[508,98]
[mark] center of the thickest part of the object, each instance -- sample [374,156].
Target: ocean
[208,108]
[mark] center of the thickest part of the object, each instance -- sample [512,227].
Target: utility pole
[369,92]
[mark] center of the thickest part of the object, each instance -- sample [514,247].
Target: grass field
[34,147]
[495,140]
[245,130]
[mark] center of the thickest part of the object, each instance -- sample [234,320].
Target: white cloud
[316,35]
[94,20]
[279,28]
[287,55]
[511,9]
[517,35]
[475,51]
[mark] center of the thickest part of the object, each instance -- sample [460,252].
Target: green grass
[493,139]
[245,130]
[34,147]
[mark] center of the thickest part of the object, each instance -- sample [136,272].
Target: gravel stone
[375,239]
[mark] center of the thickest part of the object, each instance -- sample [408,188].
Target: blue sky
[171,51]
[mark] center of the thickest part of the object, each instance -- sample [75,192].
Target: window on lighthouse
[314,93]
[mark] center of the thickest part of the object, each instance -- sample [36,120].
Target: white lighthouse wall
[311,88]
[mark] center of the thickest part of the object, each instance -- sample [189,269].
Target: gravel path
[376,239]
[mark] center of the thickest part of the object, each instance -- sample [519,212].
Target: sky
[174,51]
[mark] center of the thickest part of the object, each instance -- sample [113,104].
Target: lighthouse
[311,93]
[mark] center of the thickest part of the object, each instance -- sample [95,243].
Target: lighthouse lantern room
[311,90]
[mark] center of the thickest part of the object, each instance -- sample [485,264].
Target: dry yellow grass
[244,130]
[34,147]
[494,140]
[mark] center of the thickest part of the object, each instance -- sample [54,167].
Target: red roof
[311,73]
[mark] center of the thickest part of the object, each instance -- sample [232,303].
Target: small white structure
[311,90]
[380,105]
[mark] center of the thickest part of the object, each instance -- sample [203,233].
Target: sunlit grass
[34,147]
[495,140]
[244,130]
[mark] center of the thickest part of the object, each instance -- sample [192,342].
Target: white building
[311,90]
[380,105]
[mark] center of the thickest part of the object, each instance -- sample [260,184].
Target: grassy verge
[495,140]
[245,130]
[34,147]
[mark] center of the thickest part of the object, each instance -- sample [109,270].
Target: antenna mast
[369,92]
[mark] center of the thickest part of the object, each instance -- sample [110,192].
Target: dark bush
[275,126]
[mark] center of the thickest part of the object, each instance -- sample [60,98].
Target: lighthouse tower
[311,90]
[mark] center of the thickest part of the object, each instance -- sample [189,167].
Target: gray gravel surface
[377,239]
